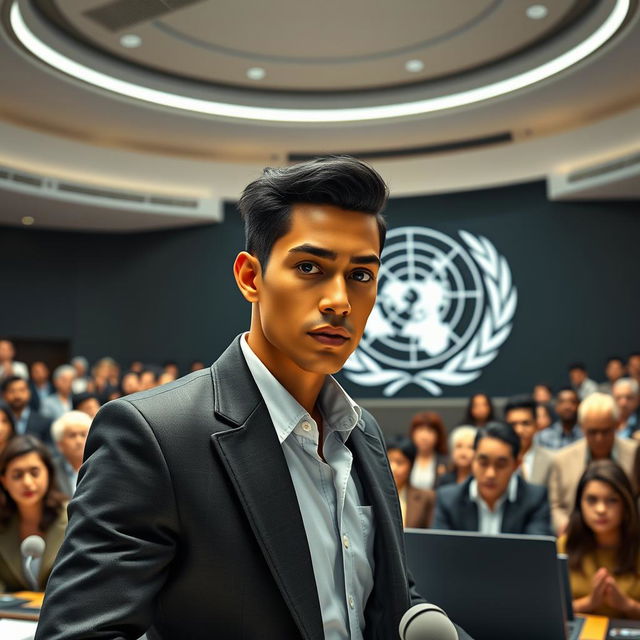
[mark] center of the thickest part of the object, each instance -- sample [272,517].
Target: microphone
[32,547]
[426,622]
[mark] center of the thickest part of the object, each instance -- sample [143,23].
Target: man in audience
[196,365]
[633,365]
[81,380]
[535,462]
[566,429]
[171,368]
[148,379]
[614,370]
[60,402]
[599,419]
[8,366]
[494,499]
[69,433]
[626,395]
[16,395]
[39,384]
[580,380]
[86,402]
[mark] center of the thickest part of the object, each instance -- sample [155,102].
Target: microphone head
[426,622]
[32,547]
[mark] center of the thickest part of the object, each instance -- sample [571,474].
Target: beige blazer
[542,462]
[11,575]
[567,468]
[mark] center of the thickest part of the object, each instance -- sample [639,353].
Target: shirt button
[306,426]
[345,541]
[352,604]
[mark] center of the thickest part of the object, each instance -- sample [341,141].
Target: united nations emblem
[444,309]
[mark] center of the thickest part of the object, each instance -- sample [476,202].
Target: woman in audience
[462,452]
[416,504]
[7,428]
[30,504]
[603,544]
[544,416]
[429,435]
[479,410]
[542,393]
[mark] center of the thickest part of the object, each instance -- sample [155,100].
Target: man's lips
[334,336]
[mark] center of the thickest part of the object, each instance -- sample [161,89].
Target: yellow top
[628,583]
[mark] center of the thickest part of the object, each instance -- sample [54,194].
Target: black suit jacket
[185,520]
[529,514]
[39,426]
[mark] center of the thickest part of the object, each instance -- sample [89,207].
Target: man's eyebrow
[332,255]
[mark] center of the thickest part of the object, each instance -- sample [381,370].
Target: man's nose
[335,298]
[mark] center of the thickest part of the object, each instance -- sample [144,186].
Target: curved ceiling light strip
[351,114]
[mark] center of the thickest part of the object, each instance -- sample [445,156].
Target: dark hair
[615,359]
[433,421]
[499,431]
[340,181]
[634,354]
[521,402]
[577,365]
[565,389]
[404,446]
[53,500]
[78,398]
[7,382]
[469,419]
[581,539]
[10,419]
[548,387]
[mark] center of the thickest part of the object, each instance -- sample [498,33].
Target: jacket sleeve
[539,522]
[121,536]
[559,513]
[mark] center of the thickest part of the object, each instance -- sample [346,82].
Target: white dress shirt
[490,522]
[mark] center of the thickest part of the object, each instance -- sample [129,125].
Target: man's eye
[308,267]
[362,276]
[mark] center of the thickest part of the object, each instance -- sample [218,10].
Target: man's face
[17,395]
[614,370]
[577,377]
[6,351]
[71,444]
[39,372]
[626,400]
[524,424]
[492,468]
[599,431]
[567,406]
[319,286]
[90,406]
[63,382]
[634,366]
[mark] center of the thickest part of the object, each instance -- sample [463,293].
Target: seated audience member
[543,393]
[7,428]
[196,365]
[633,366]
[461,441]
[544,416]
[428,434]
[69,433]
[165,377]
[101,376]
[580,380]
[495,499]
[603,544]
[39,384]
[626,394]
[148,379]
[170,367]
[8,366]
[30,504]
[130,383]
[599,419]
[60,402]
[81,381]
[535,462]
[16,395]
[614,369]
[566,429]
[416,504]
[479,411]
[87,403]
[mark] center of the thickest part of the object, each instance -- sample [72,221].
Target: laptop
[506,587]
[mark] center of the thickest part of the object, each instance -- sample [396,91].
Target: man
[60,401]
[81,379]
[580,380]
[613,370]
[252,499]
[627,398]
[535,462]
[566,429]
[69,433]
[39,384]
[494,499]
[86,402]
[599,419]
[633,365]
[16,395]
[8,366]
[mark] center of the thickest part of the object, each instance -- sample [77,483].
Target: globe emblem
[430,302]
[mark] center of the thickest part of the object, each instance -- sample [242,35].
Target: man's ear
[246,270]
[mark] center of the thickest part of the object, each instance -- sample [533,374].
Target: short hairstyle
[577,365]
[600,403]
[629,382]
[404,445]
[61,370]
[521,402]
[7,382]
[499,431]
[78,398]
[615,359]
[434,421]
[80,360]
[461,432]
[340,181]
[570,390]
[68,419]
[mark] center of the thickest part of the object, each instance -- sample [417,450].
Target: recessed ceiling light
[256,73]
[537,11]
[414,66]
[130,40]
[28,221]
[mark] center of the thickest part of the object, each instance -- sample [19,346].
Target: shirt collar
[340,412]
[510,494]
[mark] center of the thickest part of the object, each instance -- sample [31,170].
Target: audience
[580,380]
[148,379]
[39,384]
[461,443]
[130,383]
[16,395]
[495,499]
[535,462]
[416,505]
[543,394]
[69,433]
[81,381]
[30,504]
[7,428]
[566,429]
[87,403]
[544,416]
[101,382]
[626,394]
[613,370]
[60,402]
[599,420]
[8,366]
[196,365]
[429,435]
[633,366]
[603,544]
[479,411]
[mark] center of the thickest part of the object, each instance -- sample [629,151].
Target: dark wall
[170,294]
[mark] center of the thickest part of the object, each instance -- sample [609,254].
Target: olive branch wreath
[467,365]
